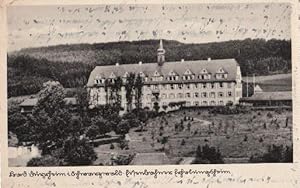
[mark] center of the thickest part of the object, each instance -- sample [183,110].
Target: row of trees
[133,87]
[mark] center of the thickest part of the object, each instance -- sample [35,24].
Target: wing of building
[192,83]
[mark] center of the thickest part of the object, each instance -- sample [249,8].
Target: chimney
[209,59]
[140,62]
[182,60]
[117,64]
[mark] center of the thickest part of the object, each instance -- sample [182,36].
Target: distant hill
[71,64]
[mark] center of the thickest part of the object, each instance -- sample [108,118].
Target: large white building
[192,83]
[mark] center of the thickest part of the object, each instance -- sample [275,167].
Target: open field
[278,82]
[238,136]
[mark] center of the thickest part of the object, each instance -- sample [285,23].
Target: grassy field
[236,136]
[278,82]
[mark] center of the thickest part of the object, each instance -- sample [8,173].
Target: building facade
[169,84]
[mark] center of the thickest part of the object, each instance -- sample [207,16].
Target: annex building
[211,82]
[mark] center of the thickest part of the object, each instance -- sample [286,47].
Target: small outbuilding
[28,105]
[279,98]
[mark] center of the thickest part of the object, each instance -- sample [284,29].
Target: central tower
[161,54]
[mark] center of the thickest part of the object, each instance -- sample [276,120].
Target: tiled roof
[29,102]
[263,96]
[34,101]
[212,66]
[150,159]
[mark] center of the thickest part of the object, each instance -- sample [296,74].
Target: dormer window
[112,75]
[99,80]
[188,75]
[204,71]
[126,75]
[142,74]
[221,74]
[156,77]
[204,75]
[221,70]
[156,73]
[172,76]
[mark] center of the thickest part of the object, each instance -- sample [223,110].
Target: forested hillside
[71,64]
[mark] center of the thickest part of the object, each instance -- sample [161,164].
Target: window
[212,94]
[196,103]
[187,86]
[212,103]
[188,103]
[204,85]
[221,85]
[204,94]
[172,96]
[221,103]
[187,95]
[204,103]
[195,86]
[221,94]
[163,96]
[229,85]
[196,95]
[229,94]
[180,86]
[180,95]
[212,85]
[172,86]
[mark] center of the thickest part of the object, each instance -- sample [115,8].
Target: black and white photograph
[149,84]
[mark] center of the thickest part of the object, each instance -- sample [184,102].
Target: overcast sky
[190,23]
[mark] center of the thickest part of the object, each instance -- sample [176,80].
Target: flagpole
[247,86]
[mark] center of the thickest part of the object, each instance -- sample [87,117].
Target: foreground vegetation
[224,134]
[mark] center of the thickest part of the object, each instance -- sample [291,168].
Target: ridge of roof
[169,62]
[211,66]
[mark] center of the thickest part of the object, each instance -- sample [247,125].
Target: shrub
[269,115]
[182,142]
[274,154]
[208,155]
[78,152]
[123,159]
[123,144]
[112,146]
[46,160]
